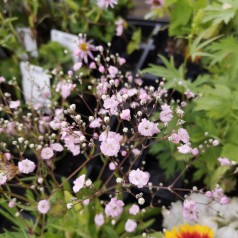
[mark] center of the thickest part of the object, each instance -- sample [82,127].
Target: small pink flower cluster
[224,161]
[217,195]
[110,143]
[190,210]
[139,178]
[114,208]
[147,128]
[65,88]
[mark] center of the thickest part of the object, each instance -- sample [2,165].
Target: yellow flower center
[189,231]
[83,46]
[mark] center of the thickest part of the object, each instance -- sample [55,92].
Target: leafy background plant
[209,29]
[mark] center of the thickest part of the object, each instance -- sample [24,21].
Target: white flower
[227,232]
[173,217]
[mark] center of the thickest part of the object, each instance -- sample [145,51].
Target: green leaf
[135,42]
[225,54]
[152,235]
[230,151]
[217,14]
[109,231]
[179,24]
[197,46]
[216,101]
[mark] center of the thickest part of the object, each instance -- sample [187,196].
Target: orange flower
[190,231]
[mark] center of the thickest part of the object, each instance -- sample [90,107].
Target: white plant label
[28,40]
[67,40]
[36,84]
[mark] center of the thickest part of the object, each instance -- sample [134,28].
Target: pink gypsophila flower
[26,166]
[95,123]
[47,153]
[110,147]
[218,195]
[111,103]
[121,61]
[79,183]
[72,141]
[92,65]
[190,211]
[106,3]
[56,147]
[86,202]
[14,104]
[43,206]
[12,203]
[65,88]
[2,79]
[113,71]
[99,219]
[130,226]
[134,209]
[126,115]
[113,165]
[183,135]
[224,161]
[147,128]
[3,179]
[114,208]
[174,138]
[120,24]
[102,88]
[184,149]
[77,66]
[110,135]
[7,156]
[139,178]
[166,114]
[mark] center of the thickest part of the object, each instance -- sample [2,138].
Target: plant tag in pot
[28,40]
[67,40]
[36,84]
